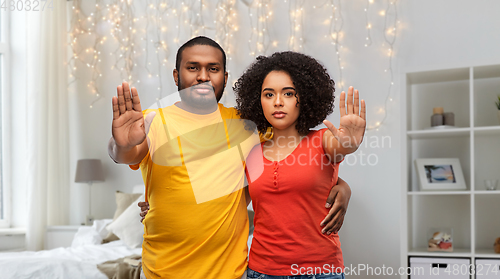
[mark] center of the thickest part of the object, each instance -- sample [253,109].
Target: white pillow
[86,235]
[100,226]
[128,226]
[91,235]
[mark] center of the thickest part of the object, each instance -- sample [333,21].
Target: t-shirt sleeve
[138,165]
[135,167]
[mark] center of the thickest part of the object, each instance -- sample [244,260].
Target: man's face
[201,74]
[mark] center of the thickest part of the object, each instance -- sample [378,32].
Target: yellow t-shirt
[197,224]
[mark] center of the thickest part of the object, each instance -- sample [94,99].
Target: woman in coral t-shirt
[292,93]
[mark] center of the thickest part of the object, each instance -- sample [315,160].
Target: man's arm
[339,196]
[337,201]
[129,156]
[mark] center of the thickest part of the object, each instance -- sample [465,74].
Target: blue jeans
[257,275]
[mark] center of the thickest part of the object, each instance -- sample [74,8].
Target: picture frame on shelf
[438,174]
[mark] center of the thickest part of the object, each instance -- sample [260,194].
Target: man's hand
[144,209]
[128,123]
[352,126]
[337,201]
[129,128]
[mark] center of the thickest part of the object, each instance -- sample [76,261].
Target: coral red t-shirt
[289,202]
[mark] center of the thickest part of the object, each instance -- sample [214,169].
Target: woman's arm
[348,137]
[144,209]
[337,201]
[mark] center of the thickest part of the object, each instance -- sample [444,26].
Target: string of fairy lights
[226,26]
[368,24]
[391,22]
[127,37]
[259,14]
[336,25]
[296,11]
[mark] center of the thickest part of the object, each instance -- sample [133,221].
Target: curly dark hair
[311,80]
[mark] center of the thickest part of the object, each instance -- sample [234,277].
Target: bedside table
[59,236]
[12,239]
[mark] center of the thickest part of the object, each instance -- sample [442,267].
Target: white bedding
[76,262]
[70,262]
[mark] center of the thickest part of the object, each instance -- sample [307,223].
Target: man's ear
[226,75]
[176,77]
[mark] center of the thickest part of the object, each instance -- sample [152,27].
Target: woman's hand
[348,137]
[144,209]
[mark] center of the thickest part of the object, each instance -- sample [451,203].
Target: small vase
[498,114]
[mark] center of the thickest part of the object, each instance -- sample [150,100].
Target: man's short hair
[200,40]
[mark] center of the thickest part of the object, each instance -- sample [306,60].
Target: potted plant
[498,107]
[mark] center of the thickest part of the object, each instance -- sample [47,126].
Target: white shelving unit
[474,214]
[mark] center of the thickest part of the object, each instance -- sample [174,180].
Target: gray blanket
[124,268]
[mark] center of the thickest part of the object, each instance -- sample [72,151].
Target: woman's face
[278,100]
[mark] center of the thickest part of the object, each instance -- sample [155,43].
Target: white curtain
[47,122]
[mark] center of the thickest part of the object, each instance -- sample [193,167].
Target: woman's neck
[282,144]
[285,136]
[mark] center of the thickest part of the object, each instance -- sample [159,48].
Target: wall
[447,34]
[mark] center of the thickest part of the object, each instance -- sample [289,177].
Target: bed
[70,262]
[92,248]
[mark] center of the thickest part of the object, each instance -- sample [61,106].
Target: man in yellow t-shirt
[191,231]
[197,225]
